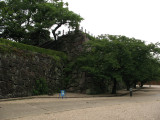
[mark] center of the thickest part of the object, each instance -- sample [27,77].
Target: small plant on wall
[40,87]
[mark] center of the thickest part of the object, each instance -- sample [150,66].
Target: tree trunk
[142,84]
[55,38]
[128,86]
[54,33]
[114,89]
[134,85]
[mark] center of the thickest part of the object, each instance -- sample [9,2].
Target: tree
[29,21]
[115,59]
[99,62]
[151,68]
[135,60]
[65,17]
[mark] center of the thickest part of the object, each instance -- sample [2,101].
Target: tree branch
[54,31]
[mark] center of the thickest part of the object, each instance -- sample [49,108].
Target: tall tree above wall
[29,21]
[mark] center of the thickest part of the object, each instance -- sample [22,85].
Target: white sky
[133,18]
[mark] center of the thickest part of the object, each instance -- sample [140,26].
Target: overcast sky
[133,18]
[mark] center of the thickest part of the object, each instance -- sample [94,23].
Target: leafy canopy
[118,58]
[29,21]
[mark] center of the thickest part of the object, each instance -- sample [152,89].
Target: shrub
[40,87]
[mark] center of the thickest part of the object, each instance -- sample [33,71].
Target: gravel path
[135,111]
[144,105]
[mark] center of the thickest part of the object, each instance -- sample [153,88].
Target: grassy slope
[55,54]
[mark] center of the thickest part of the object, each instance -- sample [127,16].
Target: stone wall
[20,69]
[71,44]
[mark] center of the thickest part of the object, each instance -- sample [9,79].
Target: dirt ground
[144,105]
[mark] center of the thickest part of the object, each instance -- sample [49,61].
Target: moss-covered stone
[20,69]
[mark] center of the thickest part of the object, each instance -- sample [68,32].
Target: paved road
[144,105]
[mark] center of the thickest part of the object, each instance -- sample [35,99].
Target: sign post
[130,92]
[62,94]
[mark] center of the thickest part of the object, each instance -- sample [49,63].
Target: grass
[55,54]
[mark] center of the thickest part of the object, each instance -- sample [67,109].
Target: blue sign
[62,93]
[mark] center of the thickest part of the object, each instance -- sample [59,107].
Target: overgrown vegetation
[116,59]
[55,54]
[41,87]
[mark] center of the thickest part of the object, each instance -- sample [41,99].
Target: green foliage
[90,37]
[29,21]
[41,87]
[118,59]
[55,54]
[67,79]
